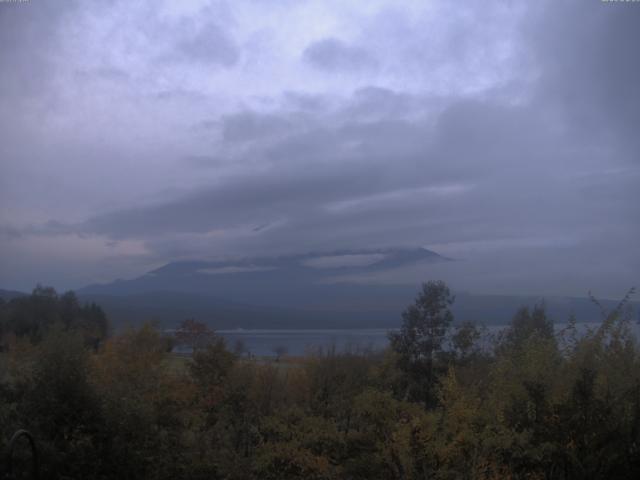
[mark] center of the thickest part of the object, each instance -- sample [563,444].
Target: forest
[443,401]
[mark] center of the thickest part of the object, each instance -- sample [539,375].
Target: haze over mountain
[281,280]
[304,290]
[313,290]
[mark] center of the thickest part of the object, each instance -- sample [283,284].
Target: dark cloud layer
[208,44]
[589,69]
[334,55]
[526,173]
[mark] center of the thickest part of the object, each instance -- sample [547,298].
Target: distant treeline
[33,316]
[439,403]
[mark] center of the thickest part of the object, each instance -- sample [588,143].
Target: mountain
[299,281]
[294,291]
[301,291]
[168,308]
[7,295]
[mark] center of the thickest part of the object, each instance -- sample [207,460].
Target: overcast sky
[504,134]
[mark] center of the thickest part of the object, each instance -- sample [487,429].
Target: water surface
[299,341]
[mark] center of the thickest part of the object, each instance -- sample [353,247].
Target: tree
[280,351]
[526,324]
[144,404]
[419,342]
[32,316]
[465,341]
[62,407]
[194,334]
[240,347]
[212,364]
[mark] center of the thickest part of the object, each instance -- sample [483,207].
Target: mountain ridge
[300,291]
[282,269]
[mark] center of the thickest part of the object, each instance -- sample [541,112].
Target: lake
[299,342]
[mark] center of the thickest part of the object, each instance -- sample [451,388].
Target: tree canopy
[443,401]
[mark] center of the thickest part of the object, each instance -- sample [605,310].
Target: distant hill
[7,295]
[284,280]
[300,292]
[304,282]
[168,308]
[294,291]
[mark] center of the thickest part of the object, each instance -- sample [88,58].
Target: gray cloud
[333,55]
[208,44]
[28,35]
[246,126]
[590,70]
[382,177]
[512,148]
